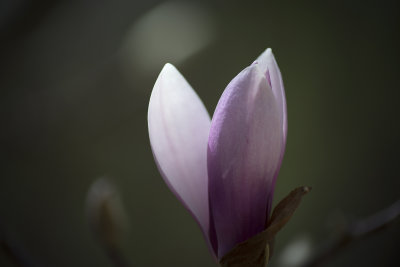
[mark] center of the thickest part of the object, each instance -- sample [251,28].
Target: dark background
[75,79]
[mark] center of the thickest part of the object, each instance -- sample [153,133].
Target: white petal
[270,68]
[178,128]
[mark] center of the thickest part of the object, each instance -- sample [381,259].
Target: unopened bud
[105,212]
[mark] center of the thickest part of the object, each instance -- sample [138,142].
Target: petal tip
[266,55]
[168,65]
[169,68]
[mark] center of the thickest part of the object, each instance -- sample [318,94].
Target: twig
[355,232]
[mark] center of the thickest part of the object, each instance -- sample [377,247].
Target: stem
[355,232]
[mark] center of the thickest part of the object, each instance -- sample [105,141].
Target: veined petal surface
[243,157]
[179,125]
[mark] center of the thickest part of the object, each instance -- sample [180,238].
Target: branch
[354,232]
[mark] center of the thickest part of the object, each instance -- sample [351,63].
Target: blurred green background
[76,77]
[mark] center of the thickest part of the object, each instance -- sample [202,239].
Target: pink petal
[244,151]
[179,125]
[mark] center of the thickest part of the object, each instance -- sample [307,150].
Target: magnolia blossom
[222,170]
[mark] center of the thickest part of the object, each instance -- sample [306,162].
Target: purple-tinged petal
[179,125]
[244,150]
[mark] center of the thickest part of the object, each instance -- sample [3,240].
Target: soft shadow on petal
[179,125]
[243,155]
